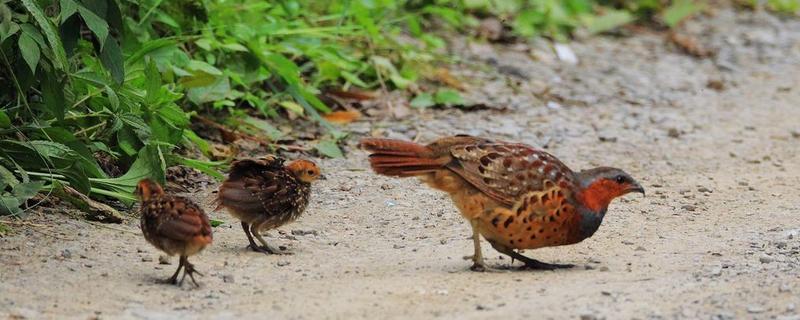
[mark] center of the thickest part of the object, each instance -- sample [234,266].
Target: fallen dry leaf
[352,94]
[342,117]
[690,45]
[443,75]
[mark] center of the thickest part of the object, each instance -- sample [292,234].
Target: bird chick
[173,224]
[514,195]
[265,194]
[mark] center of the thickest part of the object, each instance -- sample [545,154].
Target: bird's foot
[189,270]
[171,280]
[482,267]
[269,250]
[262,249]
[538,265]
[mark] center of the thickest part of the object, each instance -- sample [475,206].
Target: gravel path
[716,143]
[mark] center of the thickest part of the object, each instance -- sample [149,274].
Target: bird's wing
[506,171]
[260,191]
[182,220]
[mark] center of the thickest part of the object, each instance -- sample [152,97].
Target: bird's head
[601,185]
[147,189]
[304,170]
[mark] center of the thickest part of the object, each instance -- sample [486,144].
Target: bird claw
[537,265]
[262,249]
[268,250]
[189,270]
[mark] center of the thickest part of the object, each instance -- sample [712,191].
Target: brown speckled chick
[175,225]
[265,194]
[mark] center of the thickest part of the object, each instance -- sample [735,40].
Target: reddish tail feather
[399,158]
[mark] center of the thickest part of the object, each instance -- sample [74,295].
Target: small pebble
[298,232]
[163,259]
[689,207]
[147,259]
[755,309]
[227,278]
[283,263]
[765,258]
[66,254]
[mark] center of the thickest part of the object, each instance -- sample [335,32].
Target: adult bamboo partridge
[516,196]
[175,225]
[265,194]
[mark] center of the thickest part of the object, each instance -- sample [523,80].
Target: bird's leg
[529,263]
[257,226]
[174,278]
[477,257]
[188,269]
[246,228]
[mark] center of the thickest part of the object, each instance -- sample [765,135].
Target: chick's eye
[311,172]
[621,179]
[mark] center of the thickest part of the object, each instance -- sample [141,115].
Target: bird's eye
[311,172]
[621,179]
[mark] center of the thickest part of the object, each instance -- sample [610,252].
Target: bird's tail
[399,158]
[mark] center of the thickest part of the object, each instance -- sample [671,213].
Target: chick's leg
[189,270]
[174,278]
[255,228]
[246,228]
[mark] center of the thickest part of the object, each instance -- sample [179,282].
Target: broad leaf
[98,26]
[30,51]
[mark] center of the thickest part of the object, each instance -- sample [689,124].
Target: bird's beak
[636,187]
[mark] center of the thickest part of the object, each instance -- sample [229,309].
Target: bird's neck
[597,195]
[590,221]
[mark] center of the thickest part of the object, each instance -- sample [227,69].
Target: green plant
[75,97]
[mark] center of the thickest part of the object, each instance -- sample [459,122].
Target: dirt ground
[715,141]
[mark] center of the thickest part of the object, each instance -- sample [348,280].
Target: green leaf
[8,28]
[50,149]
[98,26]
[127,141]
[448,97]
[5,121]
[329,149]
[292,106]
[196,65]
[197,79]
[609,21]
[34,33]
[60,61]
[68,8]
[113,99]
[29,50]
[27,190]
[111,57]
[680,10]
[53,96]
[271,132]
[149,47]
[215,223]
[7,177]
[354,79]
[9,205]
[207,167]
[422,100]
[216,91]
